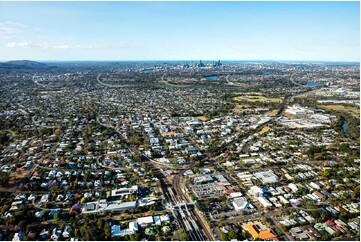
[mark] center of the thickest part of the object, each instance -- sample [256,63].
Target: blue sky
[325,31]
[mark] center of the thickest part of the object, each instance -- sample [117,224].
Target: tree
[107,231]
[57,216]
[182,235]
[232,235]
[224,236]
[4,179]
[22,224]
[100,224]
[326,174]
[4,208]
[134,237]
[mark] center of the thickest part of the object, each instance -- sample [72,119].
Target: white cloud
[23,44]
[9,29]
[69,45]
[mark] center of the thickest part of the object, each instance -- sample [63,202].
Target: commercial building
[116,231]
[267,177]
[240,203]
[144,221]
[124,191]
[208,190]
[202,179]
[121,206]
[256,191]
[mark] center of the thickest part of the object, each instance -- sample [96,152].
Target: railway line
[197,226]
[185,216]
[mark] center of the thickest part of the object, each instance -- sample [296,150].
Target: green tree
[4,179]
[107,231]
[22,224]
[232,235]
[4,208]
[57,216]
[182,235]
[100,224]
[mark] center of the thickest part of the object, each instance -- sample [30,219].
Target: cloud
[70,45]
[9,29]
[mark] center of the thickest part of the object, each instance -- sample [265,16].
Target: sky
[57,31]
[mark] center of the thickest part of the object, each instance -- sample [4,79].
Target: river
[344,127]
[212,77]
[313,84]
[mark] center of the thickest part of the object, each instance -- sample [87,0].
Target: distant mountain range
[23,66]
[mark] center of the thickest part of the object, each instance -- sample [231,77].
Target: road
[108,85]
[188,219]
[191,220]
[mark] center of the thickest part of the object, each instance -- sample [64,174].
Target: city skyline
[293,31]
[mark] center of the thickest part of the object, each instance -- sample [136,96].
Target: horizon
[133,31]
[193,60]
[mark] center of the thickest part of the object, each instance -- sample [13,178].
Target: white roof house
[145,220]
[293,187]
[235,194]
[315,186]
[256,191]
[240,203]
[165,218]
[265,202]
[133,226]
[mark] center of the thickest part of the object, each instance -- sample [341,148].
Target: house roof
[266,235]
[252,230]
[145,220]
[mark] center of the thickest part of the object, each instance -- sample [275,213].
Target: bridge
[183,205]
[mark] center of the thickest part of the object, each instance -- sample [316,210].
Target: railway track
[197,226]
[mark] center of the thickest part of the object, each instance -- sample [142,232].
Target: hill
[22,66]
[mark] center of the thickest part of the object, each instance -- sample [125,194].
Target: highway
[249,133]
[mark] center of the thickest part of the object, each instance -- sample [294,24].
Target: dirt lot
[202,118]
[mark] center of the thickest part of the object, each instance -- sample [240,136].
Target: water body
[232,88]
[217,88]
[344,127]
[313,84]
[215,77]
[211,78]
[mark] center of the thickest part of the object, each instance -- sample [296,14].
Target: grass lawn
[241,107]
[342,108]
[254,98]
